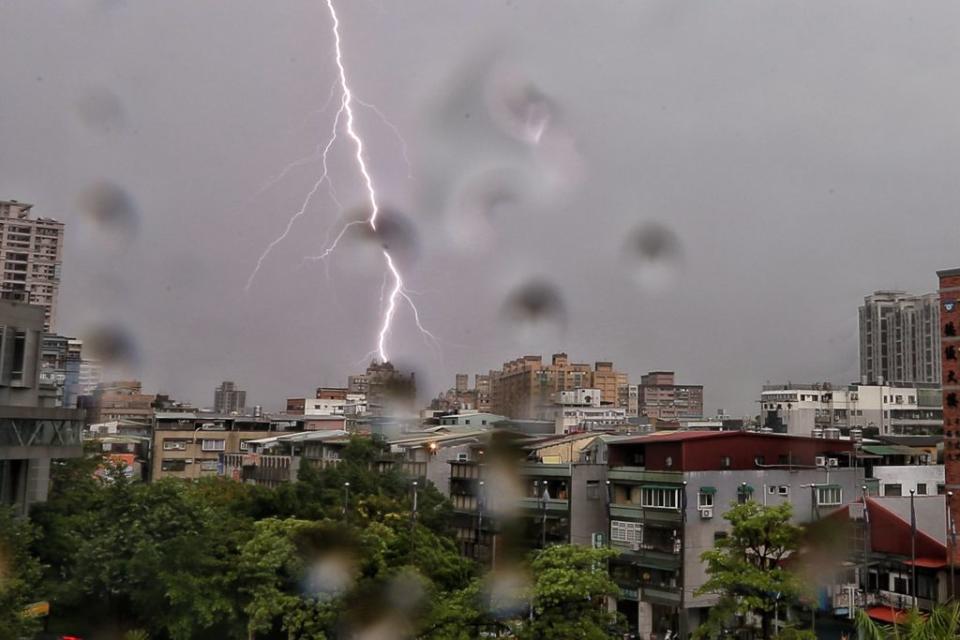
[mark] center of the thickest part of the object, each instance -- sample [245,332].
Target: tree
[570,590]
[745,568]
[19,575]
[942,623]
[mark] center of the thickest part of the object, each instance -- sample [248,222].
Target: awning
[744,488]
[887,614]
[927,563]
[891,450]
[710,490]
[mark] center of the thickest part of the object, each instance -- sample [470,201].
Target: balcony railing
[552,505]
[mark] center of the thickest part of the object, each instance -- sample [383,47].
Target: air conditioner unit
[820,461]
[833,462]
[462,457]
[706,513]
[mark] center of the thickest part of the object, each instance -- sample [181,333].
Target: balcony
[637,513]
[541,470]
[649,557]
[641,474]
[553,506]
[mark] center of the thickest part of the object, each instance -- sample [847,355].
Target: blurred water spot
[507,593]
[112,345]
[536,312]
[362,247]
[111,210]
[101,111]
[653,253]
[516,105]
[475,206]
[329,575]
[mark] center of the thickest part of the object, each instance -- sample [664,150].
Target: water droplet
[111,210]
[112,345]
[536,312]
[653,253]
[101,111]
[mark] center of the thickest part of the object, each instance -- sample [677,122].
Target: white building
[900,480]
[32,250]
[875,409]
[581,410]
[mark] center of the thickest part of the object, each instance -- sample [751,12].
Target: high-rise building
[950,348]
[31,250]
[660,397]
[525,388]
[390,392]
[227,398]
[33,431]
[899,338]
[462,382]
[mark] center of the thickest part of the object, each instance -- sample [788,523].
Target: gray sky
[804,154]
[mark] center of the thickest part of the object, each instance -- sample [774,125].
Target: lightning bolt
[345,115]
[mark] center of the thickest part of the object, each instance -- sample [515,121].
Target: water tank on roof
[817,432]
[831,433]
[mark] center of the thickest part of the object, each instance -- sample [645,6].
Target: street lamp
[346,499]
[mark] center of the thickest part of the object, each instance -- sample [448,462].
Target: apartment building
[899,338]
[32,250]
[526,387]
[668,492]
[228,398]
[660,397]
[800,409]
[120,400]
[277,459]
[192,445]
[582,410]
[33,430]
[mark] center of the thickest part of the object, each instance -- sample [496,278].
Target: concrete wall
[909,476]
[699,533]
[588,514]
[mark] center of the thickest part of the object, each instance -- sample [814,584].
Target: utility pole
[913,550]
[413,513]
[479,518]
[952,532]
[346,500]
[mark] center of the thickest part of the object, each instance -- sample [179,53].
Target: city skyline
[720,159]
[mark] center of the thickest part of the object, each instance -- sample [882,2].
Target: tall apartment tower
[950,349]
[899,340]
[227,398]
[31,251]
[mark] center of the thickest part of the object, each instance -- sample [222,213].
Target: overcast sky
[803,154]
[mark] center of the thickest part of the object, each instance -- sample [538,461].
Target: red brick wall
[950,354]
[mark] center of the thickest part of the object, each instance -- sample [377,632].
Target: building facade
[950,350]
[33,430]
[32,250]
[801,409]
[227,398]
[525,388]
[899,338]
[660,397]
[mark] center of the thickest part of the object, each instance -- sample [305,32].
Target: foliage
[941,624]
[745,569]
[19,575]
[571,585]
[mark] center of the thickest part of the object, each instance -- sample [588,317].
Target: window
[668,462]
[784,489]
[892,490]
[719,535]
[941,489]
[174,445]
[657,498]
[829,496]
[593,490]
[772,489]
[173,465]
[213,445]
[208,465]
[622,531]
[705,500]
[243,445]
[725,462]
[744,493]
[921,488]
